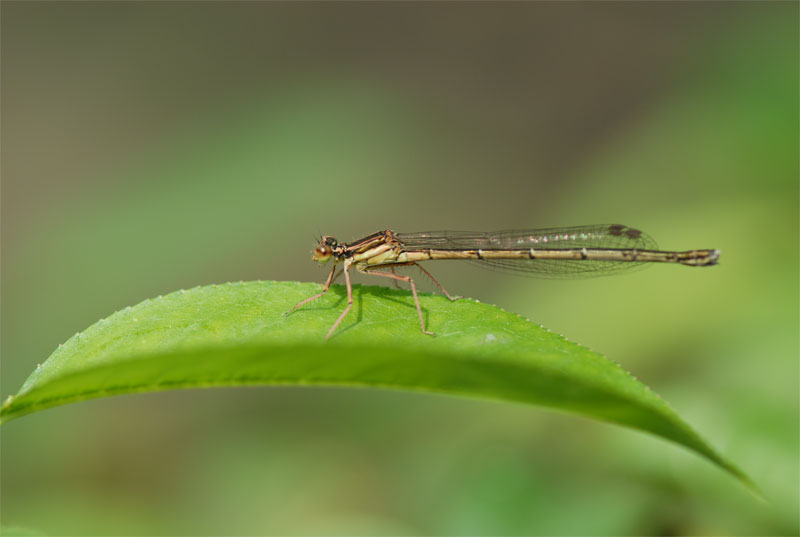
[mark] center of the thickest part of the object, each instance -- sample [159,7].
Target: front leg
[328,282]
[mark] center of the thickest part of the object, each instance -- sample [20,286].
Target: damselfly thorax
[569,252]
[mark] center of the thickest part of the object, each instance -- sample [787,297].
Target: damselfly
[569,252]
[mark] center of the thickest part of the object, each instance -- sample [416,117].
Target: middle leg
[346,271]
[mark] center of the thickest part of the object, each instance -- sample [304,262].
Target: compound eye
[322,253]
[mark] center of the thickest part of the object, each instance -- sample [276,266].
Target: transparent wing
[600,236]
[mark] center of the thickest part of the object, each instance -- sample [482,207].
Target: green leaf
[236,334]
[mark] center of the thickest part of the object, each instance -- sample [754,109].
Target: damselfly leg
[328,283]
[410,281]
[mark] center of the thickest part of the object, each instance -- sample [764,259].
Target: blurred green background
[148,147]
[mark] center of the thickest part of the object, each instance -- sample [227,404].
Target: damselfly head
[324,251]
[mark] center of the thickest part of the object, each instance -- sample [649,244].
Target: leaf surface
[236,334]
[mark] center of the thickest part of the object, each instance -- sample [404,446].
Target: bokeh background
[148,147]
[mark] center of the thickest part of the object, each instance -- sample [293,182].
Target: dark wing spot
[633,233]
[616,229]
